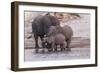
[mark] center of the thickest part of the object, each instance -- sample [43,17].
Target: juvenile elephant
[56,40]
[66,31]
[40,27]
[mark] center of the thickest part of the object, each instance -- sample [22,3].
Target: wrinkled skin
[40,27]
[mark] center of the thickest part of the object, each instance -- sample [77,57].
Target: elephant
[56,40]
[66,31]
[40,27]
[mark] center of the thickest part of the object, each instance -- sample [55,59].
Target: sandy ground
[76,53]
[80,43]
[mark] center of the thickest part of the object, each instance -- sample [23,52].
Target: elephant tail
[29,36]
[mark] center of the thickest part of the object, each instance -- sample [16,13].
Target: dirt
[75,53]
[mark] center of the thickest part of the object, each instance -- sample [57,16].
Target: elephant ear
[54,20]
[52,31]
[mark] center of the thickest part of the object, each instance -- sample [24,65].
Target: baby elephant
[55,40]
[66,31]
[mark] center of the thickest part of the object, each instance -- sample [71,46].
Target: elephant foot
[62,49]
[36,46]
[36,50]
[50,50]
[69,49]
[43,51]
[43,45]
[55,50]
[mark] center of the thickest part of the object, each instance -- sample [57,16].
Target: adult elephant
[40,27]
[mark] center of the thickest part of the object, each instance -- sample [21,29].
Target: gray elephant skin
[56,40]
[40,27]
[66,31]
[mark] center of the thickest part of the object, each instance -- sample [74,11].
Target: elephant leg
[36,43]
[51,47]
[41,37]
[62,47]
[68,45]
[55,47]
